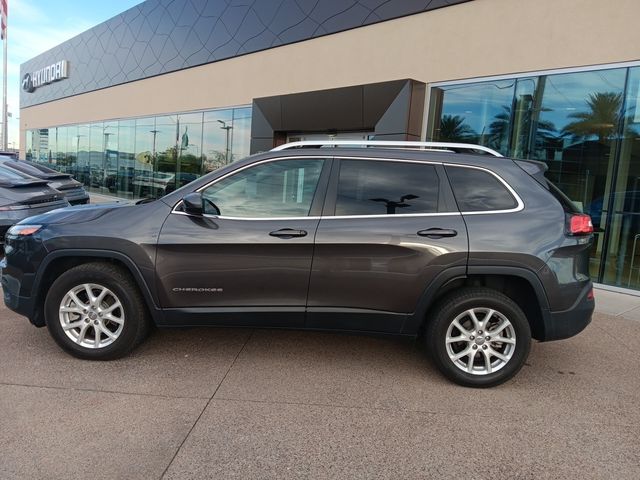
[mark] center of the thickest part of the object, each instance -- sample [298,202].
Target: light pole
[155,132]
[227,128]
[78,157]
[106,163]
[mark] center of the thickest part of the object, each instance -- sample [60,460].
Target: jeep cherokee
[451,243]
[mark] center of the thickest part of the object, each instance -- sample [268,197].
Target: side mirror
[193,203]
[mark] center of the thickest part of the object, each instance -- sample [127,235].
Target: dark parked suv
[474,253]
[73,190]
[22,196]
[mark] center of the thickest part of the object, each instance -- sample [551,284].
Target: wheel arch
[60,261]
[521,285]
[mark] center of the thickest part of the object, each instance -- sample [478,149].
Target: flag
[5,12]
[185,139]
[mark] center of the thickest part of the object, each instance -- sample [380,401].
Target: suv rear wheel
[478,337]
[95,311]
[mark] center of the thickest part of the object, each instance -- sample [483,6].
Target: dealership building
[170,90]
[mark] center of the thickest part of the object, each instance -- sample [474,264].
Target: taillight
[580,224]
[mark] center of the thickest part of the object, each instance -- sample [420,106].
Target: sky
[35,26]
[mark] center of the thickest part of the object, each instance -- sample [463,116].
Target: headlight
[23,230]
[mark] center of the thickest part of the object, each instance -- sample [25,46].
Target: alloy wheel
[480,341]
[91,315]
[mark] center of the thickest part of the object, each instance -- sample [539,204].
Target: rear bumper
[76,197]
[570,322]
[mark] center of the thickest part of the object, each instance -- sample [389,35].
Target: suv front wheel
[95,311]
[478,337]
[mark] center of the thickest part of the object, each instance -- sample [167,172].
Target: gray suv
[450,243]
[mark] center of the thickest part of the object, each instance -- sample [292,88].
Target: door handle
[437,232]
[287,233]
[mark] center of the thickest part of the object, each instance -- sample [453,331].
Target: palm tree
[499,128]
[454,129]
[545,131]
[601,119]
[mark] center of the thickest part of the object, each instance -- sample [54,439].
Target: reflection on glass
[61,153]
[120,182]
[144,157]
[477,113]
[216,138]
[622,257]
[241,137]
[276,189]
[96,156]
[574,123]
[189,165]
[28,148]
[386,188]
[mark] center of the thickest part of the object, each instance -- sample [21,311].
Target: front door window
[278,189]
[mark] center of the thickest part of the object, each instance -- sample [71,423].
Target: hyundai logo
[27,83]
[49,74]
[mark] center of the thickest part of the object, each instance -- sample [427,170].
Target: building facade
[166,91]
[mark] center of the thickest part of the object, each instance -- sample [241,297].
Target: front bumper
[11,287]
[570,322]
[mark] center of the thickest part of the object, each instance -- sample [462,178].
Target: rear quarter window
[478,190]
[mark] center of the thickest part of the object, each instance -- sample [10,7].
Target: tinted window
[282,188]
[368,187]
[479,191]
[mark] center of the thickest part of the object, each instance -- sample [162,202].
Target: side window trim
[519,203]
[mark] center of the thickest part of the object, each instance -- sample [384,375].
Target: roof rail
[451,147]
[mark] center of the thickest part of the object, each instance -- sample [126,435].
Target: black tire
[455,304]
[136,323]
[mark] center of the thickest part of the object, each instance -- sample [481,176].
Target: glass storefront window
[121,183]
[144,157]
[83,173]
[575,123]
[189,148]
[96,156]
[28,148]
[241,133]
[476,113]
[166,134]
[622,204]
[61,152]
[217,147]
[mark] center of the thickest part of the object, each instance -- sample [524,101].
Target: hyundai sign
[44,76]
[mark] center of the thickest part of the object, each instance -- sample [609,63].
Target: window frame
[316,202]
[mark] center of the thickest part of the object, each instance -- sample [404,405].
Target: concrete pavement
[227,403]
[618,304]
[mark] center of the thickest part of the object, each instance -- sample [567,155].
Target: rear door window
[372,187]
[477,190]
